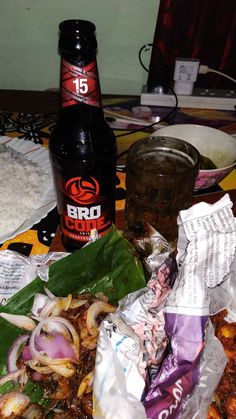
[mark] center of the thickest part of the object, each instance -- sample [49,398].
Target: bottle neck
[79,82]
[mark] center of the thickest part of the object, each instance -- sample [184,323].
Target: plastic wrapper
[132,341]
[212,363]
[17,271]
[177,377]
[151,246]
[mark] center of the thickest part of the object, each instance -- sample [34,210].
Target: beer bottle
[82,145]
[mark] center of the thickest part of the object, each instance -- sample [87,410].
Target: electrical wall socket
[200,98]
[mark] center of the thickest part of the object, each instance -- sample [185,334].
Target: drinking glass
[160,179]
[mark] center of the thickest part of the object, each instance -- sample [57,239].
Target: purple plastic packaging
[179,373]
[206,250]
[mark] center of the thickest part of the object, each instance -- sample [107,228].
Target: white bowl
[218,146]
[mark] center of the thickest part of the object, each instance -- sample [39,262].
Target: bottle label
[79,84]
[83,210]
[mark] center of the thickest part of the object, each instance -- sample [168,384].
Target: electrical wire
[204,69]
[171,114]
[222,74]
[165,118]
[145,47]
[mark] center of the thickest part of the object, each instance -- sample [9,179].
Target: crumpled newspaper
[169,370]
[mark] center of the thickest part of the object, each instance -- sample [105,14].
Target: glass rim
[137,146]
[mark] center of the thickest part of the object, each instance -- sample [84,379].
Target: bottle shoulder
[82,130]
[82,115]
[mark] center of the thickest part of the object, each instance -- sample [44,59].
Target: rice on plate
[24,184]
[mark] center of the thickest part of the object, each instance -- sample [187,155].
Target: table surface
[30,116]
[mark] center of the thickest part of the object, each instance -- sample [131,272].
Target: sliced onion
[12,376]
[26,354]
[49,293]
[59,304]
[77,303]
[92,313]
[66,302]
[23,379]
[53,328]
[42,370]
[33,411]
[55,346]
[90,342]
[13,352]
[23,322]
[66,370]
[48,309]
[46,305]
[43,306]
[86,384]
[37,376]
[39,302]
[45,359]
[13,404]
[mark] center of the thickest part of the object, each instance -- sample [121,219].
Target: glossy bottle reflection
[82,146]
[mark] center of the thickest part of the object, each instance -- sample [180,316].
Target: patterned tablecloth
[37,128]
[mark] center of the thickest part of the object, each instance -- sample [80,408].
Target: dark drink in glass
[160,179]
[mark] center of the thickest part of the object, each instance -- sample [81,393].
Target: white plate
[39,155]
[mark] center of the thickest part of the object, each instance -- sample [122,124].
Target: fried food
[224,400]
[60,355]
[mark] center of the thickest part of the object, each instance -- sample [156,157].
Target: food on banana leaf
[108,265]
[57,351]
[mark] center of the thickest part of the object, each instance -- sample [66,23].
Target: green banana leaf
[108,265]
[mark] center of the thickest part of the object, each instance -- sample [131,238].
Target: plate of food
[26,189]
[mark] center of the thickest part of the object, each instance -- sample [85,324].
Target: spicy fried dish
[224,399]
[57,351]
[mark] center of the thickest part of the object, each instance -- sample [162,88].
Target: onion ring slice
[43,358]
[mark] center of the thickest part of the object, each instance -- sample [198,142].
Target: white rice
[22,186]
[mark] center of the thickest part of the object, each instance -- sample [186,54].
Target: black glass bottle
[82,145]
